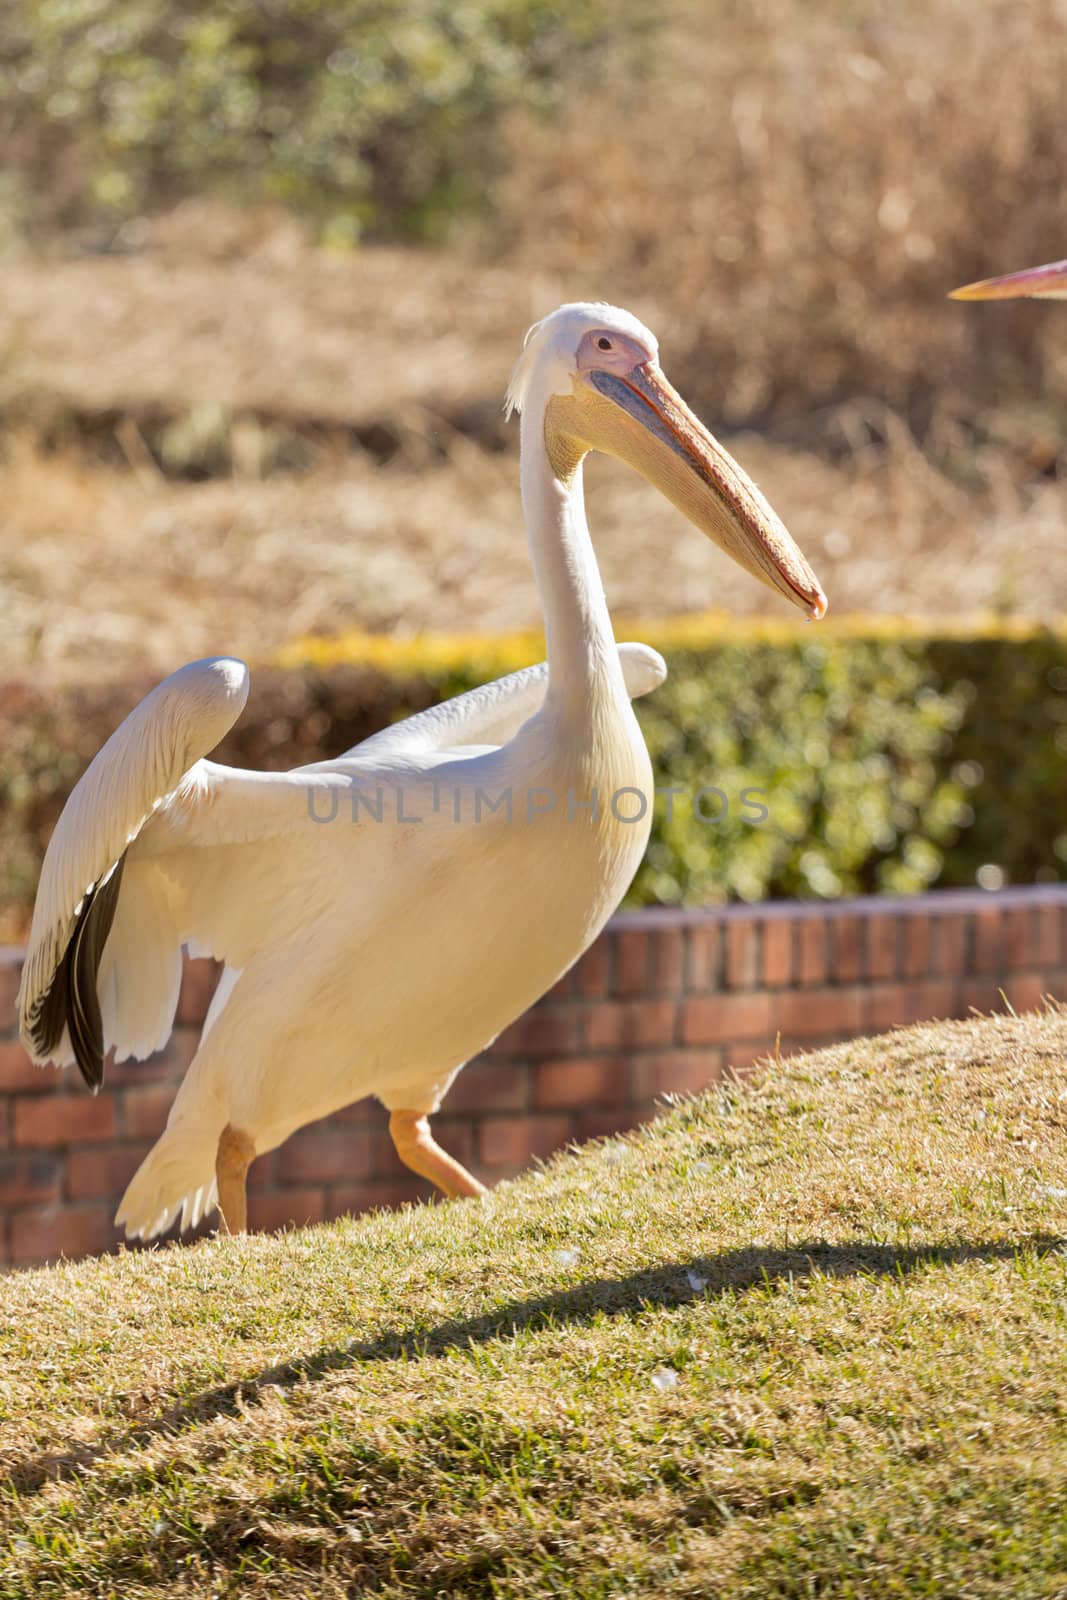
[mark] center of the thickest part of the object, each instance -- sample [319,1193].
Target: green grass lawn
[805,1340]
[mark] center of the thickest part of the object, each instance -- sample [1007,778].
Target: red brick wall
[664,1001]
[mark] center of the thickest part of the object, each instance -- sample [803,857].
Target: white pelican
[382,916]
[1036,283]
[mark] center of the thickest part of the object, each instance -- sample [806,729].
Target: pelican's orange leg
[234,1156]
[419,1150]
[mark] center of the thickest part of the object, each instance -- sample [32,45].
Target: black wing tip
[91,1066]
[71,1000]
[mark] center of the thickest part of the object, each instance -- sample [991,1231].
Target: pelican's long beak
[642,420]
[1036,283]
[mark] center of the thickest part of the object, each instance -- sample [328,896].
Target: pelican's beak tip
[981,289]
[1036,283]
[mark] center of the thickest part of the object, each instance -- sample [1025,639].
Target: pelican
[1036,283]
[382,916]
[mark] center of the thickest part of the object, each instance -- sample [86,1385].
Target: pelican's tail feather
[177,1175]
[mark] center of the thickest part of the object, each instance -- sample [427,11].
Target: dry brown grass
[792,187]
[101,570]
[785,193]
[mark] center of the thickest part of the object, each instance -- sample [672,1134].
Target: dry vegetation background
[218,430]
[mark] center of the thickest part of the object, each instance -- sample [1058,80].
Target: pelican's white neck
[580,644]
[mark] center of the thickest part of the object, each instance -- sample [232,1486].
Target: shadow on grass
[732,1272]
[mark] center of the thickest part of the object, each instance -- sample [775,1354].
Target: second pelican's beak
[642,420]
[1036,283]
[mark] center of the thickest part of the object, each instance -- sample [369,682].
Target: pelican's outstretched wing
[138,769]
[493,713]
[157,847]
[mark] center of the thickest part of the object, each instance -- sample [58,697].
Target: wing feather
[493,713]
[80,891]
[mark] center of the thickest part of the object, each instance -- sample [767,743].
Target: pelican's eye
[603,351]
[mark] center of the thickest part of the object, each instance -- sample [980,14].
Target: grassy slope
[857,1273]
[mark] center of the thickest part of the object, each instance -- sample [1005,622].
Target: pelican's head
[1036,283]
[592,372]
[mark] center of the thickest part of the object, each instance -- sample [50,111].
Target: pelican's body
[382,916]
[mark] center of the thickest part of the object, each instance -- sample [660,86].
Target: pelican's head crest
[554,346]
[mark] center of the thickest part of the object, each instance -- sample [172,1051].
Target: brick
[17,1071]
[1050,949]
[457,1136]
[848,956]
[563,988]
[742,1059]
[820,1013]
[592,974]
[145,1110]
[1054,983]
[1026,990]
[811,951]
[10,974]
[5,1123]
[676,1072]
[353,1200]
[486,1085]
[273,1209]
[319,1155]
[951,944]
[104,1171]
[742,955]
[668,961]
[181,1047]
[361,1113]
[980,994]
[166,1066]
[630,1024]
[199,981]
[883,935]
[578,1081]
[603,1124]
[710,1019]
[544,1031]
[1020,943]
[631,961]
[777,952]
[705,959]
[892,1005]
[988,941]
[30,1179]
[263,1173]
[60,1119]
[917,946]
[41,1236]
[514,1141]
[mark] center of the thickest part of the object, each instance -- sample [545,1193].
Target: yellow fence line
[506,652]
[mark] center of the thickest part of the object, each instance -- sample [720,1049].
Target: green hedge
[377,113]
[886,761]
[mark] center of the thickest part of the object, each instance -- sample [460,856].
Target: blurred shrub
[786,188]
[887,760]
[792,188]
[362,112]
